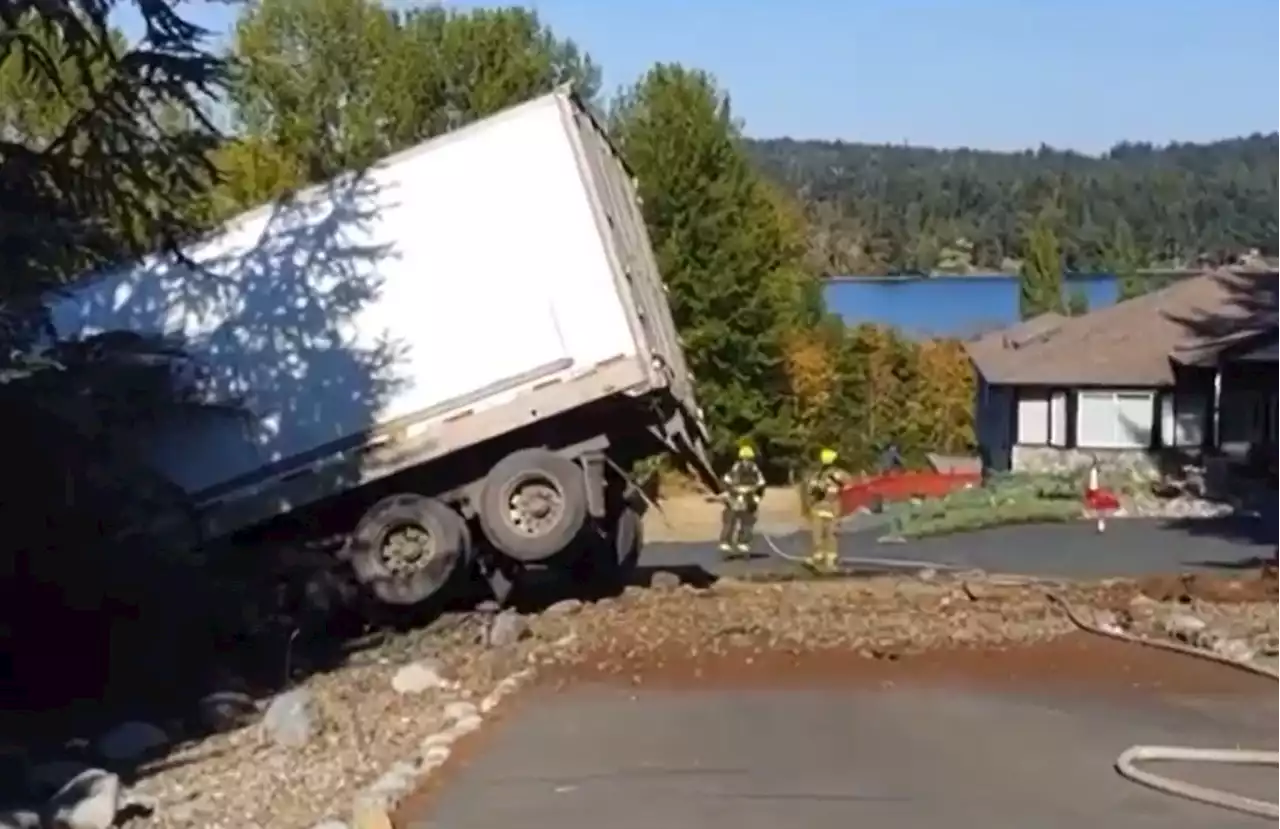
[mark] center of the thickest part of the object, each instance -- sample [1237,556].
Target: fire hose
[1127,763]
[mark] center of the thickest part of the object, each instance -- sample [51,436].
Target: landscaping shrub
[1005,500]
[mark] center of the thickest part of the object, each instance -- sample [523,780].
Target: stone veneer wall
[1132,463]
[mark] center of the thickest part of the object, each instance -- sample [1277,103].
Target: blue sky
[996,74]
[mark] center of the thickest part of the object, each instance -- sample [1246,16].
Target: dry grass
[691,516]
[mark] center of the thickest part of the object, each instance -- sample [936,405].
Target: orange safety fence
[902,485]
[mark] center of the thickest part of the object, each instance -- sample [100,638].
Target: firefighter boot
[746,527]
[727,524]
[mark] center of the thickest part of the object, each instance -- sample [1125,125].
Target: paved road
[1129,547]
[907,759]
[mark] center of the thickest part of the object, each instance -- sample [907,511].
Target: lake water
[945,306]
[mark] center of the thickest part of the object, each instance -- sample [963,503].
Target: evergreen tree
[1040,288]
[1124,261]
[731,262]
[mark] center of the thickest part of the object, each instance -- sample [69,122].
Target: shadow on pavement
[1242,529]
[1249,563]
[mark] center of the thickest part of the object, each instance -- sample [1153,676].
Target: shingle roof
[1133,342]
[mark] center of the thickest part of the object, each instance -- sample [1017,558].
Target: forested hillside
[878,208]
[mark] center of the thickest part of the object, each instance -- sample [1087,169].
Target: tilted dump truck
[454,354]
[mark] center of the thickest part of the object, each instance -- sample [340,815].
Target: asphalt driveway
[914,757]
[1129,547]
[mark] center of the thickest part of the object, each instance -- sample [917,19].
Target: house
[1186,371]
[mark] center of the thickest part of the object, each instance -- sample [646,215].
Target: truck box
[491,278]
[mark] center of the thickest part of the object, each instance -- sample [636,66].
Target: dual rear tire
[533,505]
[407,547]
[532,508]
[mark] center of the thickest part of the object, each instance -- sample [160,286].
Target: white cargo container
[472,331]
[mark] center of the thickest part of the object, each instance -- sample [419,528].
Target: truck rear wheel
[533,505]
[406,548]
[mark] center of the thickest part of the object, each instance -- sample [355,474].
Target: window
[1033,417]
[1042,418]
[1058,419]
[1114,419]
[1183,418]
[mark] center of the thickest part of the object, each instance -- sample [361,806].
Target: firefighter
[744,483]
[824,493]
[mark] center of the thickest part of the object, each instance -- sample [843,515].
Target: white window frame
[1058,419]
[1033,417]
[1120,437]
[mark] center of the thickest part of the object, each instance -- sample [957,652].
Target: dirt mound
[1076,660]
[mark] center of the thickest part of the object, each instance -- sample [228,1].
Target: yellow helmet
[828,456]
[746,453]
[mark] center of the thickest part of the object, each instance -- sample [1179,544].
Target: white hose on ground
[1127,763]
[904,563]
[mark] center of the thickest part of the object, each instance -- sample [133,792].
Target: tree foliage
[886,209]
[1125,261]
[1040,286]
[88,174]
[867,386]
[103,154]
[731,260]
[337,84]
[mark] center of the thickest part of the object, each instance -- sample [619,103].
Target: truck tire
[533,505]
[405,548]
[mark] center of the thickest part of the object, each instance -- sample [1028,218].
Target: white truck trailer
[454,355]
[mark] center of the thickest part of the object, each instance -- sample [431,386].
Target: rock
[370,816]
[417,677]
[460,710]
[19,819]
[289,720]
[564,607]
[507,629]
[332,824]
[90,800]
[1235,649]
[726,585]
[131,740]
[386,792]
[1183,627]
[503,689]
[1102,619]
[225,710]
[664,580]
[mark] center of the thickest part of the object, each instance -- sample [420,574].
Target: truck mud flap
[689,449]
